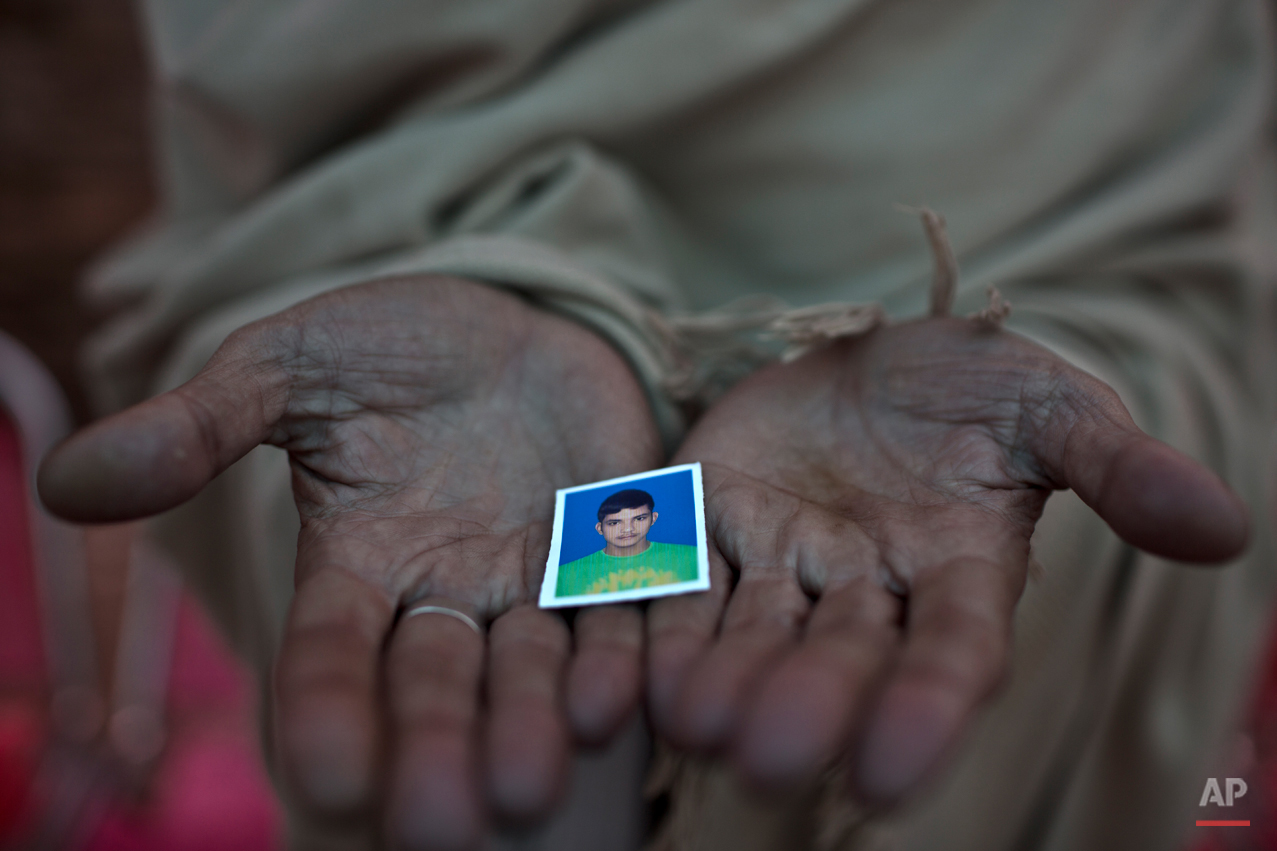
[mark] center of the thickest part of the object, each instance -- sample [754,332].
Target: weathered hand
[875,502]
[428,422]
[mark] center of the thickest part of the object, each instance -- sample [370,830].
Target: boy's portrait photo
[628,539]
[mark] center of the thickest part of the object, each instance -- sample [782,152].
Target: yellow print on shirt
[631,578]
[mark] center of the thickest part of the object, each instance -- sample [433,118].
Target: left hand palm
[876,500]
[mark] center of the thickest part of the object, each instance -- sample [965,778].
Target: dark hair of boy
[621,500]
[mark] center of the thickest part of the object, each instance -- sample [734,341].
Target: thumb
[160,453]
[1152,495]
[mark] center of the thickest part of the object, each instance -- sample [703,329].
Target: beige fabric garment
[1105,163]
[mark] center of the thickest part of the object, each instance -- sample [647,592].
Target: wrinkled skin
[428,423]
[869,510]
[874,502]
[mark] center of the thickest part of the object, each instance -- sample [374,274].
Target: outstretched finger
[804,712]
[606,674]
[527,737]
[158,454]
[434,669]
[762,621]
[680,630]
[1154,496]
[326,690]
[958,639]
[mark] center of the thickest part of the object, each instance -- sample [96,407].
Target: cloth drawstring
[714,349]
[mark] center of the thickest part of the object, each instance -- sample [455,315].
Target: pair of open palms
[869,509]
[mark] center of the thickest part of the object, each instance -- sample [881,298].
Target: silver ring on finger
[444,610]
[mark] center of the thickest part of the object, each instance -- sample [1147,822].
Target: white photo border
[548,598]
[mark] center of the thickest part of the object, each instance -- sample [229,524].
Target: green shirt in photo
[599,573]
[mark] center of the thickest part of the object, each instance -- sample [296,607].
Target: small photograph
[628,539]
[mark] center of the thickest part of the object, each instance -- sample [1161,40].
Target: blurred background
[139,733]
[74,171]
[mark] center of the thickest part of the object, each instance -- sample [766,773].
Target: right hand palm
[428,422]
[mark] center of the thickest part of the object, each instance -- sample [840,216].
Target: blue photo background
[675,504]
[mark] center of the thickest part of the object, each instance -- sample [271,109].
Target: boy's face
[627,528]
